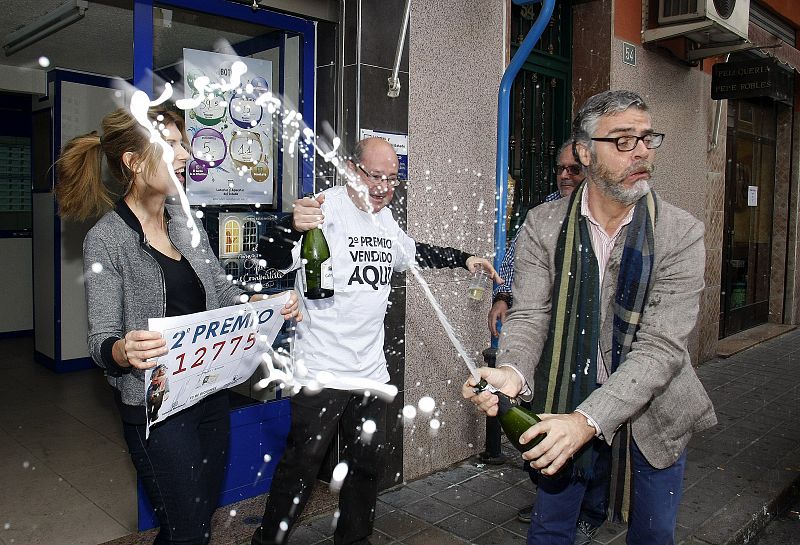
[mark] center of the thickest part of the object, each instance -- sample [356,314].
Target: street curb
[759,521]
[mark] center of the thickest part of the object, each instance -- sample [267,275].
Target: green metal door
[541,106]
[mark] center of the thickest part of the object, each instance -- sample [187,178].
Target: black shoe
[524,514]
[491,459]
[585,533]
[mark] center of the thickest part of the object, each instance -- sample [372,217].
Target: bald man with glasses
[340,341]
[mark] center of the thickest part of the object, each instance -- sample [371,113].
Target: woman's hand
[474,263]
[290,311]
[136,347]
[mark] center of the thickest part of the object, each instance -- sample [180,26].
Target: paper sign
[752,195]
[208,352]
[400,144]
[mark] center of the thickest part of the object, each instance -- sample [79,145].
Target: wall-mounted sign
[750,79]
[400,144]
[629,53]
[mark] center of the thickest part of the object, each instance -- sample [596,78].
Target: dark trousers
[655,496]
[315,419]
[182,466]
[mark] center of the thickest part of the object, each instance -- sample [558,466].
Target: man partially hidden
[604,302]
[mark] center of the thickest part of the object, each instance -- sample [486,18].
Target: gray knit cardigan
[125,286]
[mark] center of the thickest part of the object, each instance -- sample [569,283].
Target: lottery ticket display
[208,352]
[230,134]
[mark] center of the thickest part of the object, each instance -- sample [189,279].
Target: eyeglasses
[573,170]
[378,178]
[629,141]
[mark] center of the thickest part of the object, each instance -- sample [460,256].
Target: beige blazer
[656,387]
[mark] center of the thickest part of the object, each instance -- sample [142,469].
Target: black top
[185,293]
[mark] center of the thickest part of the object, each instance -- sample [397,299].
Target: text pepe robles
[372,261]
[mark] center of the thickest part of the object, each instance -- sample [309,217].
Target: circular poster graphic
[246,148]
[260,172]
[211,110]
[245,112]
[197,171]
[208,147]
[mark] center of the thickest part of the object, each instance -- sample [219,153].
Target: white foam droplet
[426,404]
[409,411]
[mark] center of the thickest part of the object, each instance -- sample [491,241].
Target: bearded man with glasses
[604,302]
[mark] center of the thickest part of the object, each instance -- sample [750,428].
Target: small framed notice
[752,195]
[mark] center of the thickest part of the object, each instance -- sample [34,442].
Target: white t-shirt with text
[343,334]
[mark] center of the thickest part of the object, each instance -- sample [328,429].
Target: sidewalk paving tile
[493,510]
[430,510]
[433,535]
[498,536]
[465,525]
[459,496]
[399,524]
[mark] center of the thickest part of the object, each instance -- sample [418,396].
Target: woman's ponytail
[80,191]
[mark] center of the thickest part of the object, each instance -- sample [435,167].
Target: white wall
[15,277]
[456,61]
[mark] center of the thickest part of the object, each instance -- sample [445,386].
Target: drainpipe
[394,80]
[503,103]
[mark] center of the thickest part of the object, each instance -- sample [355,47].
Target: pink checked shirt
[602,244]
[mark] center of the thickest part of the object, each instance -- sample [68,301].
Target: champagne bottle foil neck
[504,404]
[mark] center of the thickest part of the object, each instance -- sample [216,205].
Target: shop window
[233,238]
[15,183]
[250,235]
[232,268]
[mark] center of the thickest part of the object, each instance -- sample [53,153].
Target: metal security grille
[672,8]
[540,108]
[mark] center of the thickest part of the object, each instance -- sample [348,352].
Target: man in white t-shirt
[339,343]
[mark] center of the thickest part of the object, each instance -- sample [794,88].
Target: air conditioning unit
[706,22]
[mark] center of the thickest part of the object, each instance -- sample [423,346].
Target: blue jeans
[594,506]
[182,465]
[655,497]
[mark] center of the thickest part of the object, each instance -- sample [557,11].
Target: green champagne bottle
[514,419]
[317,269]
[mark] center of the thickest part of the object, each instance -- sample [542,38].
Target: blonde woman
[139,263]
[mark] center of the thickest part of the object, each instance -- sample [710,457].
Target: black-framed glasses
[573,170]
[394,181]
[630,141]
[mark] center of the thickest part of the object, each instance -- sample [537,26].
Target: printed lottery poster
[230,135]
[208,352]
